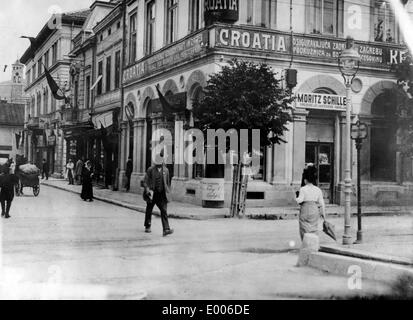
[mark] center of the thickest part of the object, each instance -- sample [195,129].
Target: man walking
[129,169]
[157,181]
[45,170]
[7,184]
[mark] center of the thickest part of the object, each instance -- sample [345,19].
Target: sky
[26,17]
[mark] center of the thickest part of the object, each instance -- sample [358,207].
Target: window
[109,31]
[117,70]
[150,27]
[46,59]
[54,53]
[101,38]
[45,102]
[39,104]
[87,92]
[268,14]
[194,15]
[132,39]
[29,75]
[250,11]
[34,72]
[118,25]
[39,67]
[53,104]
[325,17]
[100,73]
[385,29]
[383,145]
[108,73]
[171,21]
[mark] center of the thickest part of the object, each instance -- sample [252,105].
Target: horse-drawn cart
[30,180]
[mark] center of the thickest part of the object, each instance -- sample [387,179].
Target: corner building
[178,44]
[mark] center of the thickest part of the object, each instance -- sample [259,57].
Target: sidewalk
[180,210]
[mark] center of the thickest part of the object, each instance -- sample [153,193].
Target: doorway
[322,156]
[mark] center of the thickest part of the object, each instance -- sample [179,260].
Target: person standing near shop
[128,173]
[78,171]
[157,182]
[87,187]
[45,170]
[69,171]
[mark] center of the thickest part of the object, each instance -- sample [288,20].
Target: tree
[245,95]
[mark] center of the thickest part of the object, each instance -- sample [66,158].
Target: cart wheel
[36,190]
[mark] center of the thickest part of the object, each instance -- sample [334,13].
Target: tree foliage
[245,95]
[404,73]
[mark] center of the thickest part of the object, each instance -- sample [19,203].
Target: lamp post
[349,63]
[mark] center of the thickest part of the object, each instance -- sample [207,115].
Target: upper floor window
[195,15]
[171,21]
[46,59]
[132,39]
[150,27]
[108,73]
[109,31]
[117,69]
[100,73]
[39,67]
[118,25]
[268,16]
[385,28]
[54,53]
[325,17]
[87,92]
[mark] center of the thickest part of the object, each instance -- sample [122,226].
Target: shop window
[261,170]
[250,11]
[383,139]
[132,39]
[171,21]
[150,27]
[325,17]
[195,15]
[384,22]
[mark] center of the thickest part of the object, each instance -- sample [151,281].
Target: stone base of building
[379,194]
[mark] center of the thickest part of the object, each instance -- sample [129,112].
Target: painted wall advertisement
[304,46]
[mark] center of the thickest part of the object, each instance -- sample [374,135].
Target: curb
[354,253]
[141,209]
[349,266]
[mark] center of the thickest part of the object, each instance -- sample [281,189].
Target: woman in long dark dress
[87,188]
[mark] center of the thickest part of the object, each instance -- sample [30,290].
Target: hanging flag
[56,91]
[166,107]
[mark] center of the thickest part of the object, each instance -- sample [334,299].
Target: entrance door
[322,156]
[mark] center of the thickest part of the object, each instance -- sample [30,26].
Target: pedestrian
[45,170]
[311,201]
[69,171]
[128,173]
[12,166]
[7,185]
[78,171]
[157,192]
[87,188]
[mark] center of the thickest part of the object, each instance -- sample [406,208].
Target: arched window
[383,138]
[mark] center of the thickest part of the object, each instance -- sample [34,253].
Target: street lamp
[349,63]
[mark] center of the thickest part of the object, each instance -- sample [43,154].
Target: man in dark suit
[45,170]
[128,173]
[157,181]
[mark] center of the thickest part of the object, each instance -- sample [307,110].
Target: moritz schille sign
[321,101]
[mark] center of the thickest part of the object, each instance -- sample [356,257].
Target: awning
[104,119]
